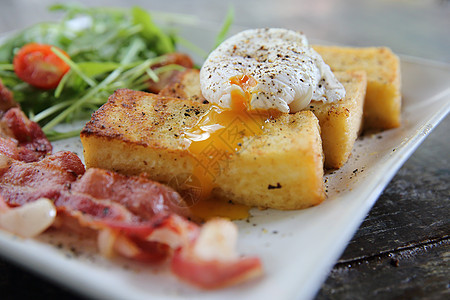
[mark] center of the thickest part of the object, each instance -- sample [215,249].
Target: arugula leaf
[151,32]
[225,27]
[105,46]
[109,48]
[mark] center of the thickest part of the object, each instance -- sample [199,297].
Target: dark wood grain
[419,272]
[402,249]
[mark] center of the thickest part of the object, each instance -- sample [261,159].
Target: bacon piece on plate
[134,217]
[151,240]
[210,260]
[32,144]
[9,148]
[6,99]
[21,138]
[142,197]
[3,206]
[22,182]
[97,195]
[167,77]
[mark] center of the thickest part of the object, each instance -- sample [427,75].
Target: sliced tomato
[37,65]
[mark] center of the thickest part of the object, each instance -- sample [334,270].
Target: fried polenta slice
[340,121]
[382,108]
[136,133]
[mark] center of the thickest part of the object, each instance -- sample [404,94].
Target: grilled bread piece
[383,97]
[340,122]
[137,132]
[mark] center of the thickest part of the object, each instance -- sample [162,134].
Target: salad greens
[109,49]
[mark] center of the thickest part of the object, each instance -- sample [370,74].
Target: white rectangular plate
[297,248]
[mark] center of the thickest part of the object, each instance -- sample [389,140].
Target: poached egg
[251,77]
[274,68]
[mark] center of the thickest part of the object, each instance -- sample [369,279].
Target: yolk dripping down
[217,135]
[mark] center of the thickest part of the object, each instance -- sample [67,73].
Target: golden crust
[383,97]
[340,122]
[136,132]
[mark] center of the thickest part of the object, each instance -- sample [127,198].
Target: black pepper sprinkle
[272,187]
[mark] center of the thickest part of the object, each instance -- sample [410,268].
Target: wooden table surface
[402,249]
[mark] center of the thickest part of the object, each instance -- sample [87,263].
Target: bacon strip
[21,138]
[167,77]
[23,182]
[6,99]
[210,260]
[214,274]
[103,201]
[141,196]
[31,140]
[135,217]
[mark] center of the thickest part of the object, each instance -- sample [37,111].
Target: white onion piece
[217,240]
[30,219]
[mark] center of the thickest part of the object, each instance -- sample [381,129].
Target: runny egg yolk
[217,135]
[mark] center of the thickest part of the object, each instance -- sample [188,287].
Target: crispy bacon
[209,261]
[103,201]
[20,138]
[22,182]
[167,77]
[137,249]
[141,196]
[176,58]
[135,217]
[3,206]
[85,196]
[59,177]
[32,144]
[152,240]
[9,148]
[213,274]
[6,99]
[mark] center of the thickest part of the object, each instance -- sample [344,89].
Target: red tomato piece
[37,65]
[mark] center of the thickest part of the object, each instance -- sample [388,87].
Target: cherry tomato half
[37,65]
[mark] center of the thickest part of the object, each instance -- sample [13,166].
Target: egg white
[288,72]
